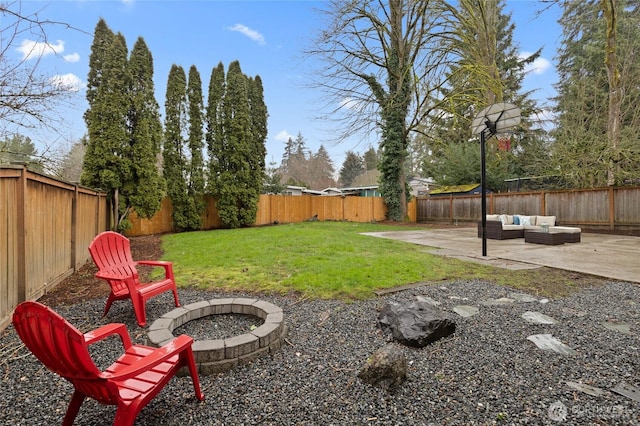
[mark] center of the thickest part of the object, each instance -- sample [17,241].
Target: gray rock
[386,368]
[549,343]
[617,326]
[537,318]
[465,311]
[497,302]
[415,324]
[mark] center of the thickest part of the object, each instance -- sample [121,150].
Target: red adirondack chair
[129,383]
[111,252]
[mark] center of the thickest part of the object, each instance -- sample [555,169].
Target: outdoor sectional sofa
[506,226]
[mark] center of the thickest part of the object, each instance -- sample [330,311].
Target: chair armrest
[106,275]
[161,263]
[105,331]
[168,266]
[174,347]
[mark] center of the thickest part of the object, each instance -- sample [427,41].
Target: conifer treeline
[138,161]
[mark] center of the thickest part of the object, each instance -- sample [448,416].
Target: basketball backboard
[497,118]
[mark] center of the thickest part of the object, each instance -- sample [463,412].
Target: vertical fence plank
[42,234]
[616,208]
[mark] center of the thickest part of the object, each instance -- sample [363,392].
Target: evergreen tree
[146,189]
[273,180]
[352,167]
[321,170]
[175,161]
[102,39]
[20,149]
[108,164]
[215,128]
[371,159]
[124,130]
[582,153]
[259,117]
[195,167]
[240,161]
[287,155]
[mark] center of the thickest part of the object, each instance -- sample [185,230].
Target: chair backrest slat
[111,253]
[54,341]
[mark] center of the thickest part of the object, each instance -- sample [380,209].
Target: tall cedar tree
[195,172]
[237,148]
[175,161]
[215,130]
[259,117]
[124,129]
[108,164]
[146,189]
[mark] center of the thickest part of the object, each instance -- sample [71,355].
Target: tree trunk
[615,91]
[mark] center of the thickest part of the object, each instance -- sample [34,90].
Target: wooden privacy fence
[275,209]
[45,228]
[612,208]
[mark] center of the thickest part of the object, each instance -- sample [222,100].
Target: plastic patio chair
[111,252]
[130,382]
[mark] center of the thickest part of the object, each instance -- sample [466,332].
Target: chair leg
[108,304]
[139,309]
[126,415]
[193,371]
[175,295]
[74,408]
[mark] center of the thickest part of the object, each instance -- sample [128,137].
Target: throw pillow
[516,219]
[503,219]
[525,220]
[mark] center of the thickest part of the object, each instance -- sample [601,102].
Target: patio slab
[604,255]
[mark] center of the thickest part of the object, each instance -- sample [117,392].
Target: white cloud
[69,82]
[352,104]
[252,34]
[539,66]
[74,57]
[283,136]
[33,49]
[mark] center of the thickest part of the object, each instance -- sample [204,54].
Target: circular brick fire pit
[214,356]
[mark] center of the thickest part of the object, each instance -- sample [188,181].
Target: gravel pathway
[486,373]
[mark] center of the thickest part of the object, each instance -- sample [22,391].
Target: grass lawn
[328,260]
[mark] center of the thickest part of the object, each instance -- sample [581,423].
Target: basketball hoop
[504,141]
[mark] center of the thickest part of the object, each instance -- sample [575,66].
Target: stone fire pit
[214,356]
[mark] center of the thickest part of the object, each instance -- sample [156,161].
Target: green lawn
[328,260]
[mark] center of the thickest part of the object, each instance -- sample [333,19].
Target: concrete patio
[609,256]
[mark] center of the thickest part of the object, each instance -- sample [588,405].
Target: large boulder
[386,368]
[415,323]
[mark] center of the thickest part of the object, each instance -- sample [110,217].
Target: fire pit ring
[218,355]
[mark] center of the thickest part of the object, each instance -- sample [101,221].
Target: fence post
[21,232]
[74,227]
[612,208]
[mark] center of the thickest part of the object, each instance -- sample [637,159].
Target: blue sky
[266,37]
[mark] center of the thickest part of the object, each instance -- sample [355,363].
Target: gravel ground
[486,373]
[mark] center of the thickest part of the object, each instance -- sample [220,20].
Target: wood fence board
[38,236]
[596,207]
